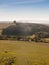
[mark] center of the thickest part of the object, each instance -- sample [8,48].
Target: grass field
[23,53]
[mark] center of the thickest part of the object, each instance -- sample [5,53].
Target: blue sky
[24,10]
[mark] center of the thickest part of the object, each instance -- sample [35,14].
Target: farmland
[24,53]
[17,52]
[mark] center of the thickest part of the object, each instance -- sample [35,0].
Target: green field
[24,53]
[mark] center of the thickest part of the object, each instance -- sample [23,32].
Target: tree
[14,21]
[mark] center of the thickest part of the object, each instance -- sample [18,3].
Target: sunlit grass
[25,53]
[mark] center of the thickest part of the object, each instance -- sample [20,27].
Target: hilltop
[25,29]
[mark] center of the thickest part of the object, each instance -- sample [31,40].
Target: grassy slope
[23,28]
[4,25]
[26,53]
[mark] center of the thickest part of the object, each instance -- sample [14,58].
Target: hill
[4,25]
[25,29]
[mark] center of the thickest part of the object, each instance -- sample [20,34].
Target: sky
[21,10]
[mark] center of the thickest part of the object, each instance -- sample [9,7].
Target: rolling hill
[25,29]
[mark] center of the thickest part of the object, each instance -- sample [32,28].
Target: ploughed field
[23,53]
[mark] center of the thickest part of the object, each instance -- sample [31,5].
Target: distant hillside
[4,25]
[25,29]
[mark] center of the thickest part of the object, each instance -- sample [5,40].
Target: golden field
[24,53]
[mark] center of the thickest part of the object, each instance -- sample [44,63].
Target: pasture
[23,53]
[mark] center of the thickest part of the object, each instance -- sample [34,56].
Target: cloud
[13,3]
[25,1]
[10,2]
